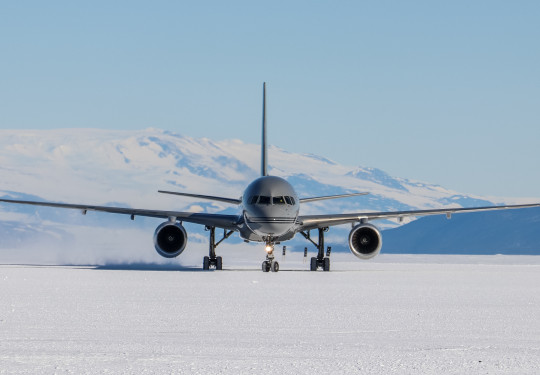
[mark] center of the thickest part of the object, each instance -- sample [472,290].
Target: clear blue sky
[444,92]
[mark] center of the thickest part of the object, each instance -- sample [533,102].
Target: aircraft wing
[314,199]
[229,222]
[321,221]
[209,197]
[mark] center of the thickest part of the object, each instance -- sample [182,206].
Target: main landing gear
[321,261]
[212,261]
[270,264]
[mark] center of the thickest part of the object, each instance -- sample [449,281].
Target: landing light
[269,248]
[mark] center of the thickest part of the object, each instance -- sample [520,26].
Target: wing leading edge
[321,221]
[208,197]
[314,199]
[229,222]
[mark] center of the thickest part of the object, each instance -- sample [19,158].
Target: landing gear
[326,265]
[216,263]
[316,264]
[270,264]
[213,261]
[320,261]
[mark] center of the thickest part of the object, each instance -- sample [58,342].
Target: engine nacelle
[170,239]
[365,241]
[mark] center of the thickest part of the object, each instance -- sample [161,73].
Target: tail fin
[264,160]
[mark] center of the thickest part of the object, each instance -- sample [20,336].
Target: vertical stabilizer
[264,160]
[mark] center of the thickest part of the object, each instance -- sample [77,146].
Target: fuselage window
[254,199]
[264,200]
[278,200]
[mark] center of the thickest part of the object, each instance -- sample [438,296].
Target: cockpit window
[278,200]
[264,199]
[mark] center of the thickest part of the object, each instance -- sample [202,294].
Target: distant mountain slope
[127,168]
[499,232]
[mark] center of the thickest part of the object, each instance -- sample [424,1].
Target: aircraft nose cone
[269,220]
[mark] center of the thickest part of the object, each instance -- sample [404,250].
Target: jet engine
[170,239]
[365,241]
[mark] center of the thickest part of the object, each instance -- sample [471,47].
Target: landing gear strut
[212,261]
[270,264]
[320,261]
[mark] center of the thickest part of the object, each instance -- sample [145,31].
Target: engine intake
[170,239]
[365,241]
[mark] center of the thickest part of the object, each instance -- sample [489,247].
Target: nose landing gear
[270,264]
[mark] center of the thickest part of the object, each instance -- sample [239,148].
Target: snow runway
[397,314]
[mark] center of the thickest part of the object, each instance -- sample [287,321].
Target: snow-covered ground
[396,314]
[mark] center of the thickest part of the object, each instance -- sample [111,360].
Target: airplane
[270,214]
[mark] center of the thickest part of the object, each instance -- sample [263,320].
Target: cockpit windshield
[263,199]
[278,200]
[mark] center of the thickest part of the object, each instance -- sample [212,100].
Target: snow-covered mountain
[127,168]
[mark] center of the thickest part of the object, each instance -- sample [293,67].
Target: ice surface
[397,314]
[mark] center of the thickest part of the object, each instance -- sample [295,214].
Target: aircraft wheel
[265,266]
[275,266]
[206,263]
[219,263]
[326,265]
[313,265]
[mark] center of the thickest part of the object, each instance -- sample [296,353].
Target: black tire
[326,265]
[275,266]
[206,263]
[265,266]
[313,265]
[219,263]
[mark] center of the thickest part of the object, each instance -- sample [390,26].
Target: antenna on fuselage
[264,160]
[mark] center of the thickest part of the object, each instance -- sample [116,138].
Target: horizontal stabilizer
[305,200]
[208,197]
